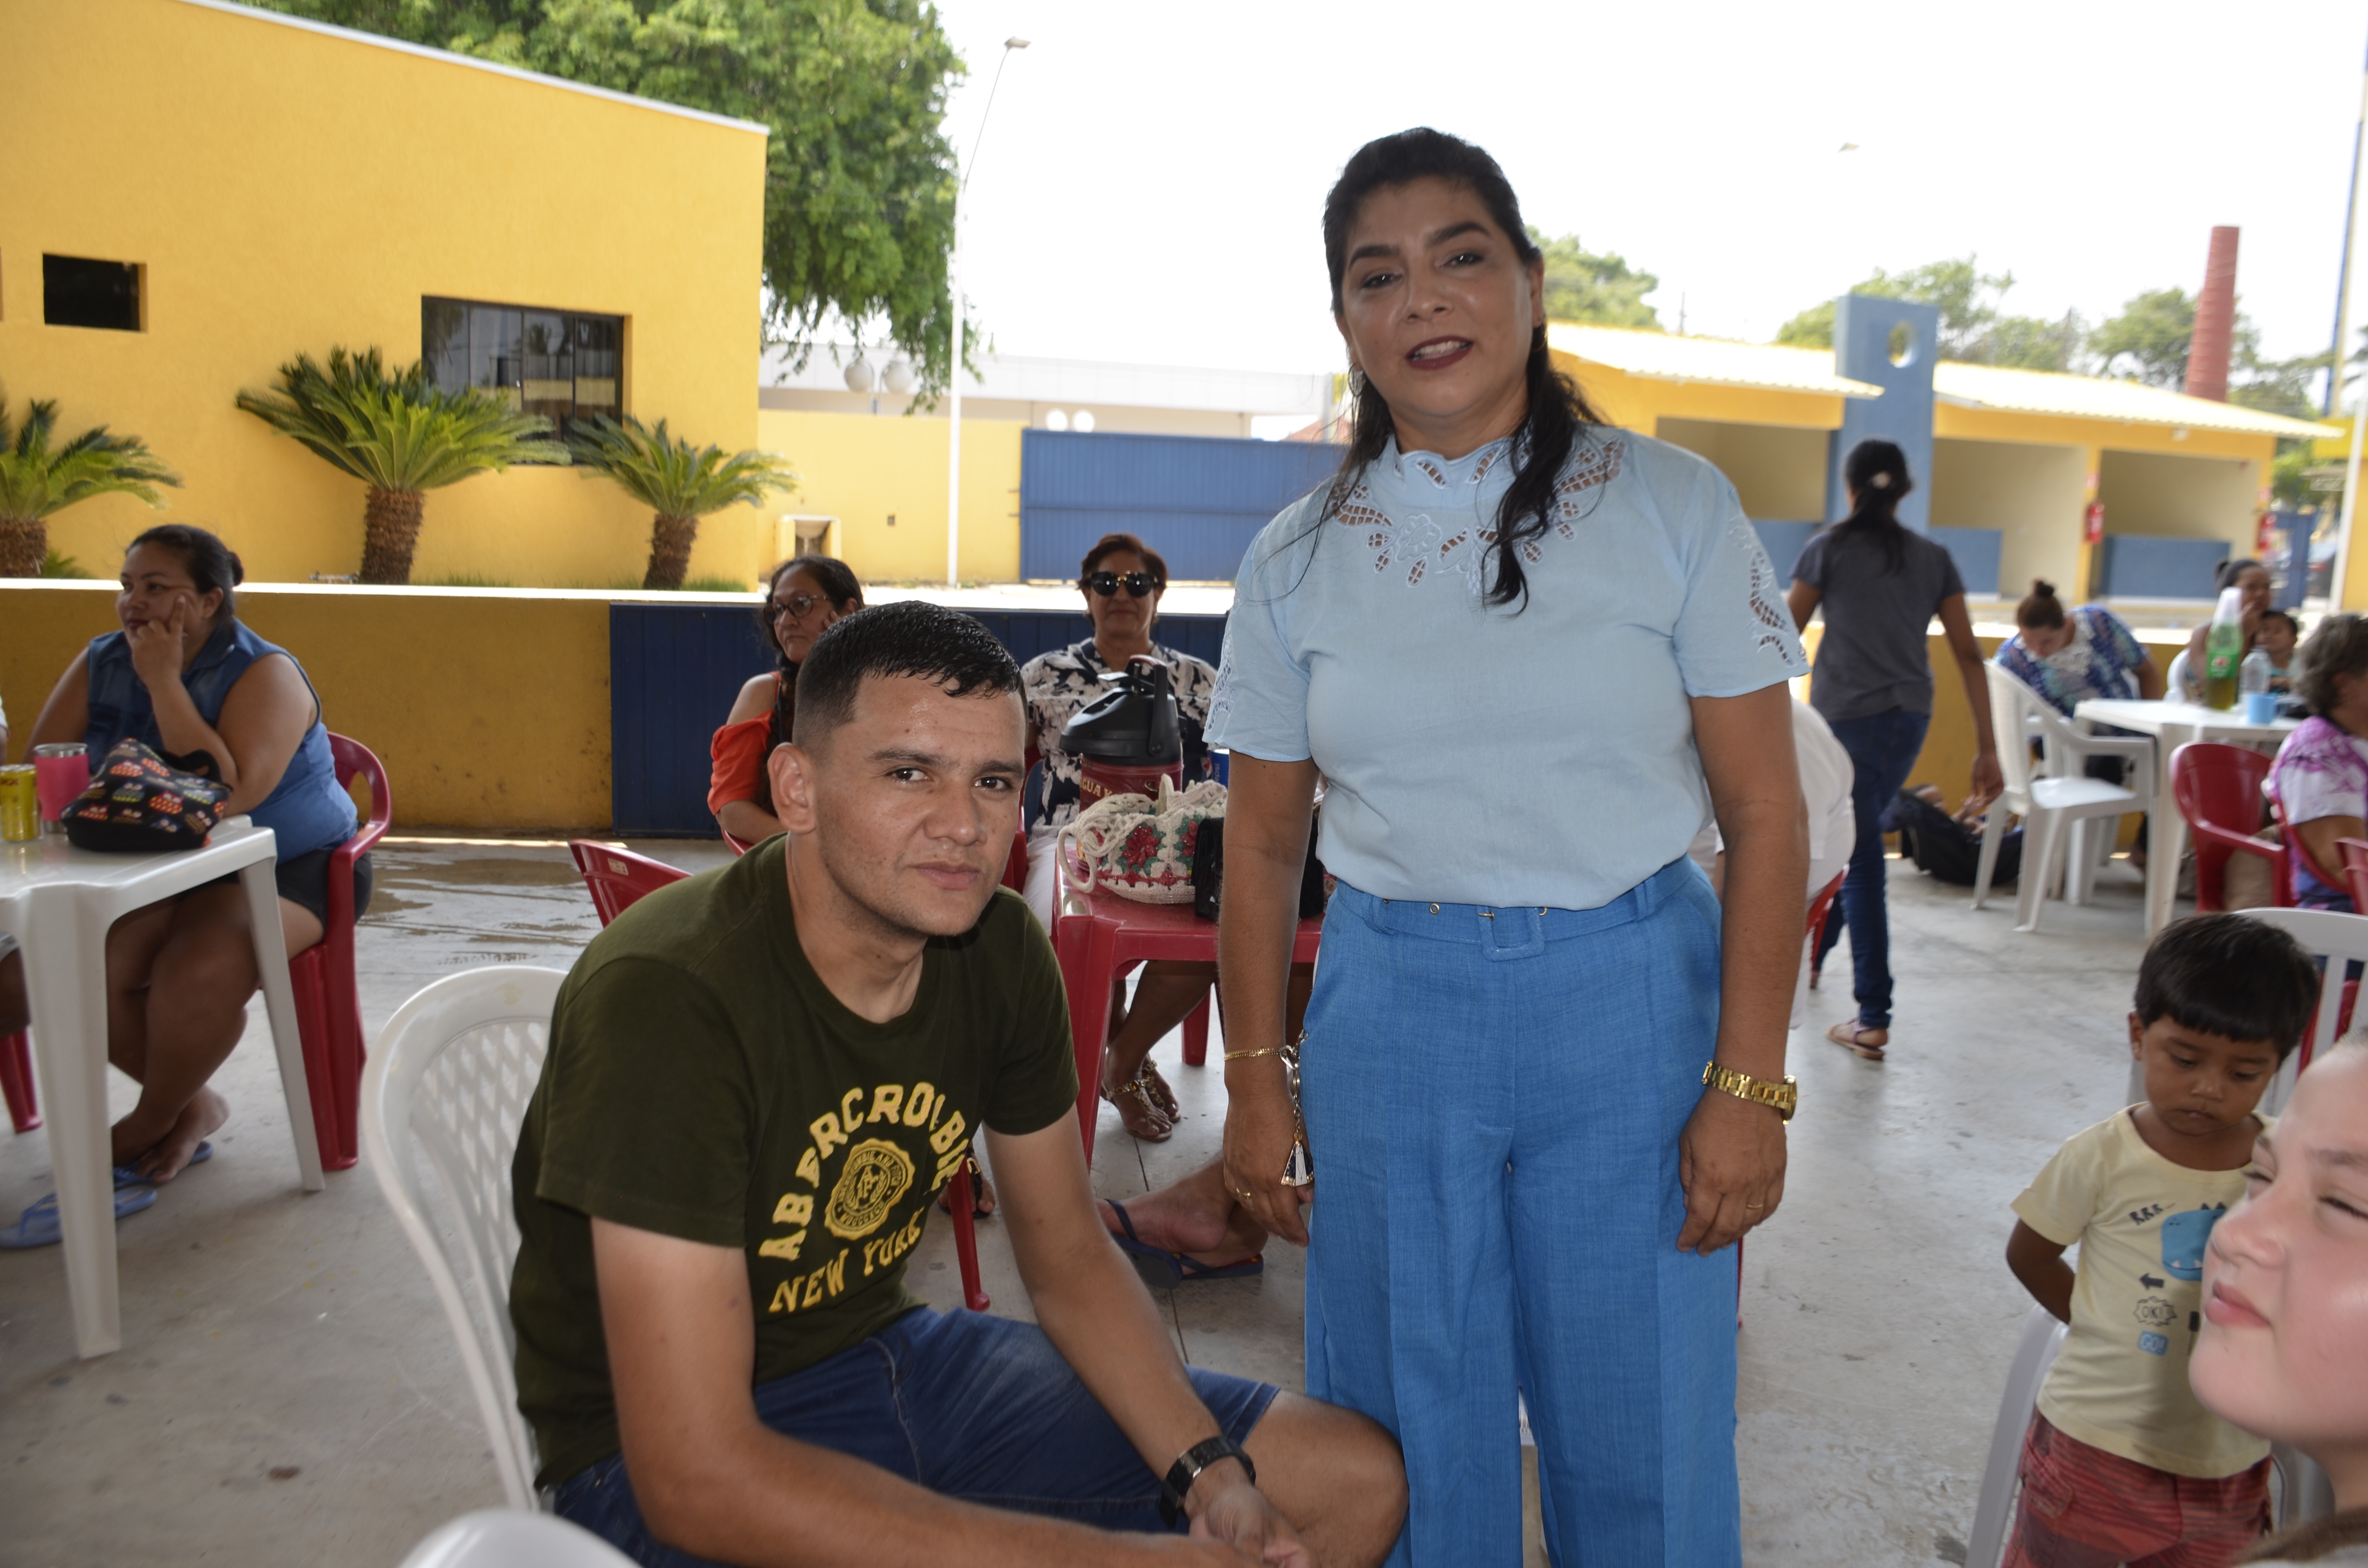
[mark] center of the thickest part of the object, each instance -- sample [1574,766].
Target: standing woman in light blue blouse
[1530,656]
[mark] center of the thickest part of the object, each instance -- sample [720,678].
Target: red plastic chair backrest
[1824,902]
[352,757]
[2218,788]
[619,878]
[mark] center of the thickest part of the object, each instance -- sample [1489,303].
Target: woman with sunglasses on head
[1121,579]
[1543,1068]
[804,596]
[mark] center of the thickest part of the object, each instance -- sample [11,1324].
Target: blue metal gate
[674,670]
[1198,500]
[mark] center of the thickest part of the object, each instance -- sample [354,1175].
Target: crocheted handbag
[139,803]
[1139,848]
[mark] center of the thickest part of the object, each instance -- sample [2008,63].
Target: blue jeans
[1493,1100]
[968,1405]
[1883,748]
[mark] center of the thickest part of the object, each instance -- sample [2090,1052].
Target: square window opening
[79,291]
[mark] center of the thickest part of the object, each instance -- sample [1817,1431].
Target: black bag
[1946,847]
[139,803]
[1209,873]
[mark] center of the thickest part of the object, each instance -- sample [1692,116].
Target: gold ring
[1755,1206]
[1243,1196]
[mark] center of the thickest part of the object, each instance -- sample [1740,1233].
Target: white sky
[1151,183]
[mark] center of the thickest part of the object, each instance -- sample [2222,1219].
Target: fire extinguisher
[2092,526]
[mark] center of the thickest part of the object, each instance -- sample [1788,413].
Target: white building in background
[1058,394]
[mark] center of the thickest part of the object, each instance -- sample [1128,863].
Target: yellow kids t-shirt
[2120,1383]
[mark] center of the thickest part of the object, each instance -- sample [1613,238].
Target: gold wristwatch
[1782,1096]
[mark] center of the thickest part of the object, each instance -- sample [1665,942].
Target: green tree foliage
[1973,327]
[2147,342]
[1584,286]
[679,482]
[859,178]
[400,436]
[38,480]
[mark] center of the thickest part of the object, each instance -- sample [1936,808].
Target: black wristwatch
[1187,1470]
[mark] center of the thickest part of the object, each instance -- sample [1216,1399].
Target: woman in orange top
[804,596]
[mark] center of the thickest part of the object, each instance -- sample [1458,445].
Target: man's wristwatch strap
[1188,1469]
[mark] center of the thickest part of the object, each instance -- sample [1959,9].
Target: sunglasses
[1142,584]
[797,607]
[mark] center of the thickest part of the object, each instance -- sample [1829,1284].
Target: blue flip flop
[38,1226]
[128,1176]
[1181,1268]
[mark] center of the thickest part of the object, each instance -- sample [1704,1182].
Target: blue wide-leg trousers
[1493,1100]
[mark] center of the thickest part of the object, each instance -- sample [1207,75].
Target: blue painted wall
[674,670]
[1198,500]
[2142,567]
[1903,414]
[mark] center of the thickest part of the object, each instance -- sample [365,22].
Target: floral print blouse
[1059,685]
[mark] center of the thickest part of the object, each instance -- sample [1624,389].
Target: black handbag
[1208,874]
[138,803]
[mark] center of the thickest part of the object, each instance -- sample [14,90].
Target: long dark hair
[210,563]
[838,584]
[1559,416]
[1876,473]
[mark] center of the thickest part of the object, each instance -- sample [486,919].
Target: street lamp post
[953,298]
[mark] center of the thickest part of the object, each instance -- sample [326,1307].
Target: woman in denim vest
[185,676]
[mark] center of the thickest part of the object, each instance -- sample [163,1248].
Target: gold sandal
[1134,1096]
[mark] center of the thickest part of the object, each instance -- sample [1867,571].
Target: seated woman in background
[2285,1303]
[2321,774]
[1121,579]
[186,677]
[2069,656]
[2252,579]
[804,597]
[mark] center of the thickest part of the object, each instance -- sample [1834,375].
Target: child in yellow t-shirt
[2122,1464]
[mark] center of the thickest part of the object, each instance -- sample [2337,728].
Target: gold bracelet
[1245,1055]
[1781,1098]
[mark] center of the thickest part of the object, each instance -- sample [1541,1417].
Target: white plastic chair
[451,1074]
[2053,800]
[2042,1337]
[2175,685]
[503,1538]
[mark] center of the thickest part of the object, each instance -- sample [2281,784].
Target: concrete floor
[289,1394]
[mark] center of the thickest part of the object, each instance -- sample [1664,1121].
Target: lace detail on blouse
[1767,605]
[1421,547]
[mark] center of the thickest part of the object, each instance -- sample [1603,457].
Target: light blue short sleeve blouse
[1539,754]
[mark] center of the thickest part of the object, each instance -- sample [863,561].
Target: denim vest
[309,811]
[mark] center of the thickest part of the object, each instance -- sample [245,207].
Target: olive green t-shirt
[703,1083]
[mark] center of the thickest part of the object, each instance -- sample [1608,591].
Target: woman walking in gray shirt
[1881,584]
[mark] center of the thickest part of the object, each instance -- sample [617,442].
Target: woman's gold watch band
[1782,1096]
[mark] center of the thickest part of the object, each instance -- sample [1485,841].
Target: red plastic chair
[2218,788]
[16,1083]
[2355,870]
[328,1006]
[617,877]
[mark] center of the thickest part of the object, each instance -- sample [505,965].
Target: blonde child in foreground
[2284,1347]
[2121,1463]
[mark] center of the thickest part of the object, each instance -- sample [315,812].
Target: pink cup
[60,773]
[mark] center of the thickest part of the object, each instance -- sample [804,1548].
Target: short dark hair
[2229,976]
[210,563]
[911,637]
[2040,611]
[837,580]
[2292,624]
[1111,544]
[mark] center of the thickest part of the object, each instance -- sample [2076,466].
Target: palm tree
[36,481]
[680,482]
[402,436]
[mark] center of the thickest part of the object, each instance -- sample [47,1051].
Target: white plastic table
[2172,724]
[57,901]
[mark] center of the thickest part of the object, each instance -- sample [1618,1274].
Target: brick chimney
[2216,319]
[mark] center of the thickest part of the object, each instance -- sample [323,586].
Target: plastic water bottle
[2253,675]
[2224,650]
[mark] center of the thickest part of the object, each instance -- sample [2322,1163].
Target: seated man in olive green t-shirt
[757,1078]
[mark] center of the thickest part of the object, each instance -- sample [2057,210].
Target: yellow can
[21,806]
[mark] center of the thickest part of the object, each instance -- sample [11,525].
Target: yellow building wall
[865,470]
[2034,496]
[283,189]
[507,728]
[1779,471]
